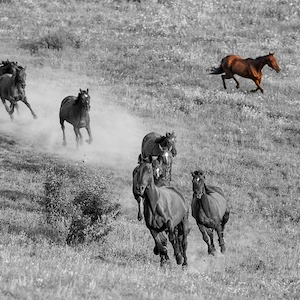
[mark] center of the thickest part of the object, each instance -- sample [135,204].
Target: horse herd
[165,209]
[74,110]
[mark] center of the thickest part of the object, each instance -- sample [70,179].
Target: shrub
[56,40]
[93,215]
[76,205]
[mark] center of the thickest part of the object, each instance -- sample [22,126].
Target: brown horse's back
[150,145]
[174,203]
[214,205]
[66,110]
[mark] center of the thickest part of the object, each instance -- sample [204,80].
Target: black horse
[75,110]
[151,142]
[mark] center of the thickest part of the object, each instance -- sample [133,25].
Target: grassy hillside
[146,66]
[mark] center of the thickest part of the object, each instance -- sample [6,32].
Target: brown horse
[248,68]
[165,209]
[12,89]
[210,209]
[162,167]
[75,110]
[151,142]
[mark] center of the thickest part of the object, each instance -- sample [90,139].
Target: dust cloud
[116,134]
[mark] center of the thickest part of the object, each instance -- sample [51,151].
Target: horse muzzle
[140,190]
[198,195]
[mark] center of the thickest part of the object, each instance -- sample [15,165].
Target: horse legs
[63,130]
[228,76]
[173,238]
[24,100]
[257,82]
[78,136]
[160,246]
[140,216]
[205,235]
[88,129]
[183,232]
[221,238]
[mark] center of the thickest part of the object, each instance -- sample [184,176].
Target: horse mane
[160,139]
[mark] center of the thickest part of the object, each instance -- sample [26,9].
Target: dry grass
[145,65]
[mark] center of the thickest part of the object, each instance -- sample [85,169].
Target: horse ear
[140,158]
[87,91]
[193,174]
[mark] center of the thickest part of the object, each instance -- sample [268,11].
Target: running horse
[161,174]
[165,209]
[151,142]
[12,89]
[75,110]
[210,209]
[248,68]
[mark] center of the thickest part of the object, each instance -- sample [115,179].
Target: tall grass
[153,59]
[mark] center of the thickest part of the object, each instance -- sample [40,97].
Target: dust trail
[117,135]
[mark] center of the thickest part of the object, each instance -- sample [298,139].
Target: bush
[56,40]
[76,204]
[92,218]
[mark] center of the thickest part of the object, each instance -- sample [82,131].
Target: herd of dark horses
[74,110]
[166,211]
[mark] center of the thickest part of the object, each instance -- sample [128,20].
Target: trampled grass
[146,66]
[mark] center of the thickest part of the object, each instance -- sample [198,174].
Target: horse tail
[218,70]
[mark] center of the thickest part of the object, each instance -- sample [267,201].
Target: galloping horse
[210,209]
[12,89]
[151,142]
[248,68]
[75,110]
[165,209]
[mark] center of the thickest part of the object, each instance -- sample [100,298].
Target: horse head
[144,175]
[198,183]
[157,165]
[21,76]
[165,155]
[272,62]
[84,98]
[170,142]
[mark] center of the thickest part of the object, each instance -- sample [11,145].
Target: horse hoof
[89,141]
[179,259]
[184,265]
[64,144]
[155,250]
[223,249]
[35,117]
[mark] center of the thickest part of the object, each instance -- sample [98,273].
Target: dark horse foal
[248,68]
[75,110]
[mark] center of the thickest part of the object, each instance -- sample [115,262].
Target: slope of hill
[146,68]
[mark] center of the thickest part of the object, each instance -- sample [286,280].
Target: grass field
[145,65]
